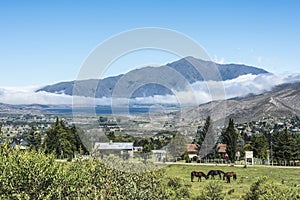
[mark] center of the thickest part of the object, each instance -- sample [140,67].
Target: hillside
[283,100]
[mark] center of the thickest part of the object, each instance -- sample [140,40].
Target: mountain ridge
[150,81]
[282,101]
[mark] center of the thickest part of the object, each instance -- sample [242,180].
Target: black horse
[197,174]
[213,173]
[227,175]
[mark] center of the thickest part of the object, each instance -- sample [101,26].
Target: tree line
[281,146]
[62,140]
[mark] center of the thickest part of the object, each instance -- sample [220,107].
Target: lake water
[109,110]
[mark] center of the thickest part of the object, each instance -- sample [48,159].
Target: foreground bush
[213,190]
[26,175]
[34,175]
[176,189]
[266,190]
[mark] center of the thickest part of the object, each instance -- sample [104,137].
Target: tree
[205,139]
[78,134]
[0,129]
[52,140]
[296,147]
[177,145]
[229,137]
[103,119]
[283,141]
[34,138]
[202,131]
[111,136]
[259,146]
[63,140]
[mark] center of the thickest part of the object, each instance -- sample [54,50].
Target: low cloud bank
[196,93]
[203,92]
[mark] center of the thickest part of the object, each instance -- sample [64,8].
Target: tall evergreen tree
[283,142]
[296,147]
[77,132]
[206,139]
[259,146]
[229,137]
[202,131]
[63,140]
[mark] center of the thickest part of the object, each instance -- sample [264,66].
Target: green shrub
[266,190]
[213,190]
[176,189]
[26,174]
[34,175]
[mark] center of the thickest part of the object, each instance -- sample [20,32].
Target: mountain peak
[151,81]
[194,69]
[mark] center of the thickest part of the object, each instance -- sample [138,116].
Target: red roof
[192,148]
[221,148]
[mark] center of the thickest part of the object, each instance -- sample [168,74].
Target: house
[117,148]
[193,150]
[221,150]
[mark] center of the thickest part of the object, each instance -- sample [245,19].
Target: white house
[119,148]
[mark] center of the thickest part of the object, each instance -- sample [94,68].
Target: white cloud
[27,95]
[203,92]
[198,92]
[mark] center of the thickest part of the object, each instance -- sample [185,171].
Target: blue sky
[44,42]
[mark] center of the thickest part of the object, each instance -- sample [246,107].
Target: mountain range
[277,100]
[281,101]
[151,81]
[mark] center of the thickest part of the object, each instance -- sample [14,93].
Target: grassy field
[245,177]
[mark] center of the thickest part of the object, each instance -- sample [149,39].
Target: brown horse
[197,174]
[227,175]
[213,173]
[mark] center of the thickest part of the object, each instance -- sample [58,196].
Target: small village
[154,147]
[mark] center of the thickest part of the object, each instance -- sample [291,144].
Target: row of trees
[281,146]
[62,140]
[206,134]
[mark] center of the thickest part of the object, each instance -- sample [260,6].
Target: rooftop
[113,145]
[221,148]
[192,148]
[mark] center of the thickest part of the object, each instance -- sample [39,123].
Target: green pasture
[245,177]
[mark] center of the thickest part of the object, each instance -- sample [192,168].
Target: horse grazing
[227,175]
[197,174]
[213,173]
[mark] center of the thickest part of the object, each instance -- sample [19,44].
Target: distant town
[147,135]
